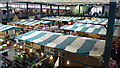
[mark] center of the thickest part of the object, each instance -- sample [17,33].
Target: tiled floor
[11,52]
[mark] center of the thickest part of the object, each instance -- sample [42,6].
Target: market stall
[63,19]
[33,24]
[8,27]
[94,21]
[6,32]
[72,44]
[97,21]
[92,30]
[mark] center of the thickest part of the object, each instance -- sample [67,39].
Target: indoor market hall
[59,33]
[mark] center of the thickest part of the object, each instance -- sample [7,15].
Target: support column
[27,13]
[106,13]
[41,15]
[79,10]
[51,10]
[0,15]
[103,10]
[109,34]
[65,10]
[58,9]
[118,11]
[8,12]
[83,13]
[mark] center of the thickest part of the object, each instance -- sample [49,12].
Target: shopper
[112,64]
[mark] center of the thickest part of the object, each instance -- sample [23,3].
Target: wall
[72,8]
[82,8]
[75,9]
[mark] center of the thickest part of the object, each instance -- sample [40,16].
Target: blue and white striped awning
[61,18]
[87,25]
[100,21]
[8,27]
[75,44]
[84,29]
[32,22]
[89,28]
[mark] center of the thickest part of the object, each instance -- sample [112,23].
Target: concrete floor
[11,54]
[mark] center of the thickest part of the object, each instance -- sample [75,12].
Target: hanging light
[75,32]
[51,57]
[1,40]
[15,45]
[42,54]
[21,47]
[68,62]
[18,53]
[21,56]
[69,22]
[8,42]
[30,50]
[47,55]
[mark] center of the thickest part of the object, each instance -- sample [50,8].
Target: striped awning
[8,27]
[74,44]
[87,25]
[32,22]
[68,19]
[100,21]
[89,28]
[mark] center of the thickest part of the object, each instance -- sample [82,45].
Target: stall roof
[74,44]
[98,21]
[32,22]
[62,18]
[89,28]
[8,27]
[87,25]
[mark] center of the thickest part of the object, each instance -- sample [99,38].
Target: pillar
[79,10]
[51,10]
[0,15]
[27,12]
[8,12]
[109,34]
[58,9]
[103,11]
[41,15]
[65,10]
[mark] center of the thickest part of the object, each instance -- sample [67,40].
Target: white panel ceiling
[67,1]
